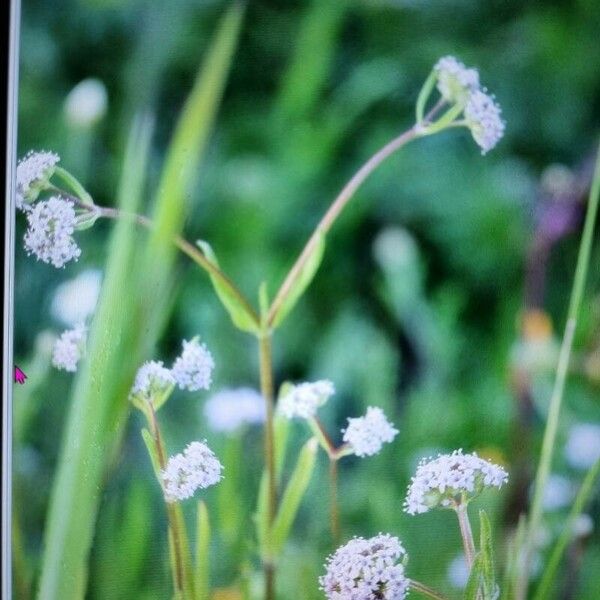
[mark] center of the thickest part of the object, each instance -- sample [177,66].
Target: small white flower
[229,410]
[49,236]
[33,172]
[366,435]
[582,449]
[193,368]
[75,300]
[483,117]
[304,399]
[69,349]
[583,525]
[152,381]
[458,572]
[366,569]
[455,81]
[445,480]
[558,493]
[86,103]
[196,468]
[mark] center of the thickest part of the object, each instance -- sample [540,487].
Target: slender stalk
[333,501]
[466,533]
[417,586]
[189,250]
[172,517]
[550,432]
[266,387]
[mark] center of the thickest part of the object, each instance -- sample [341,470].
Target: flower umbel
[449,480]
[33,172]
[483,118]
[455,81]
[366,569]
[153,382]
[229,410]
[196,468]
[49,236]
[304,399]
[366,435]
[69,349]
[193,368]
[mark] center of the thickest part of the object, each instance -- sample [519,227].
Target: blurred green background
[438,286]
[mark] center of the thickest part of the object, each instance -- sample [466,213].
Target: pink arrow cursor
[20,377]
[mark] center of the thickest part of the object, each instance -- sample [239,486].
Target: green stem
[266,387]
[333,499]
[544,589]
[417,586]
[190,251]
[466,533]
[550,432]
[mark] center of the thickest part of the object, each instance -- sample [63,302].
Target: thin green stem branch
[466,533]
[552,422]
[334,514]
[417,586]
[266,387]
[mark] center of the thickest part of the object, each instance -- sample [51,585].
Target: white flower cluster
[75,300]
[369,569]
[152,380]
[229,410]
[304,399]
[448,479]
[455,81]
[195,468]
[458,84]
[193,369]
[50,232]
[366,435]
[69,349]
[33,172]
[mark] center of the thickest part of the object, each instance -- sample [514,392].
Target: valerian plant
[58,209]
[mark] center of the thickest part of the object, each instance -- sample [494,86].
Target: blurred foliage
[417,304]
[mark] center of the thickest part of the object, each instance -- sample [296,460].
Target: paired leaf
[242,316]
[301,281]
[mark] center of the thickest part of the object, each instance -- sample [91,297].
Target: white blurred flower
[455,81]
[366,435]
[49,236]
[69,349]
[86,103]
[583,525]
[196,468]
[559,492]
[458,572]
[303,400]
[444,480]
[583,445]
[152,381]
[483,118]
[33,172]
[75,300]
[228,410]
[366,569]
[395,248]
[193,368]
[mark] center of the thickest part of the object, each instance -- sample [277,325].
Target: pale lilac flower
[33,172]
[193,368]
[558,493]
[152,381]
[366,569]
[449,479]
[196,468]
[49,236]
[582,449]
[228,410]
[455,82]
[303,400]
[69,349]
[366,435]
[86,103]
[458,572]
[75,300]
[483,118]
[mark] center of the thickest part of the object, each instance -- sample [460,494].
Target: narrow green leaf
[281,430]
[487,557]
[261,517]
[240,315]
[230,509]
[582,498]
[301,282]
[202,553]
[151,447]
[475,579]
[424,96]
[293,495]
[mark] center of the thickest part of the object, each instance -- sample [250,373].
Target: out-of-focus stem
[550,432]
[266,387]
[417,586]
[333,499]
